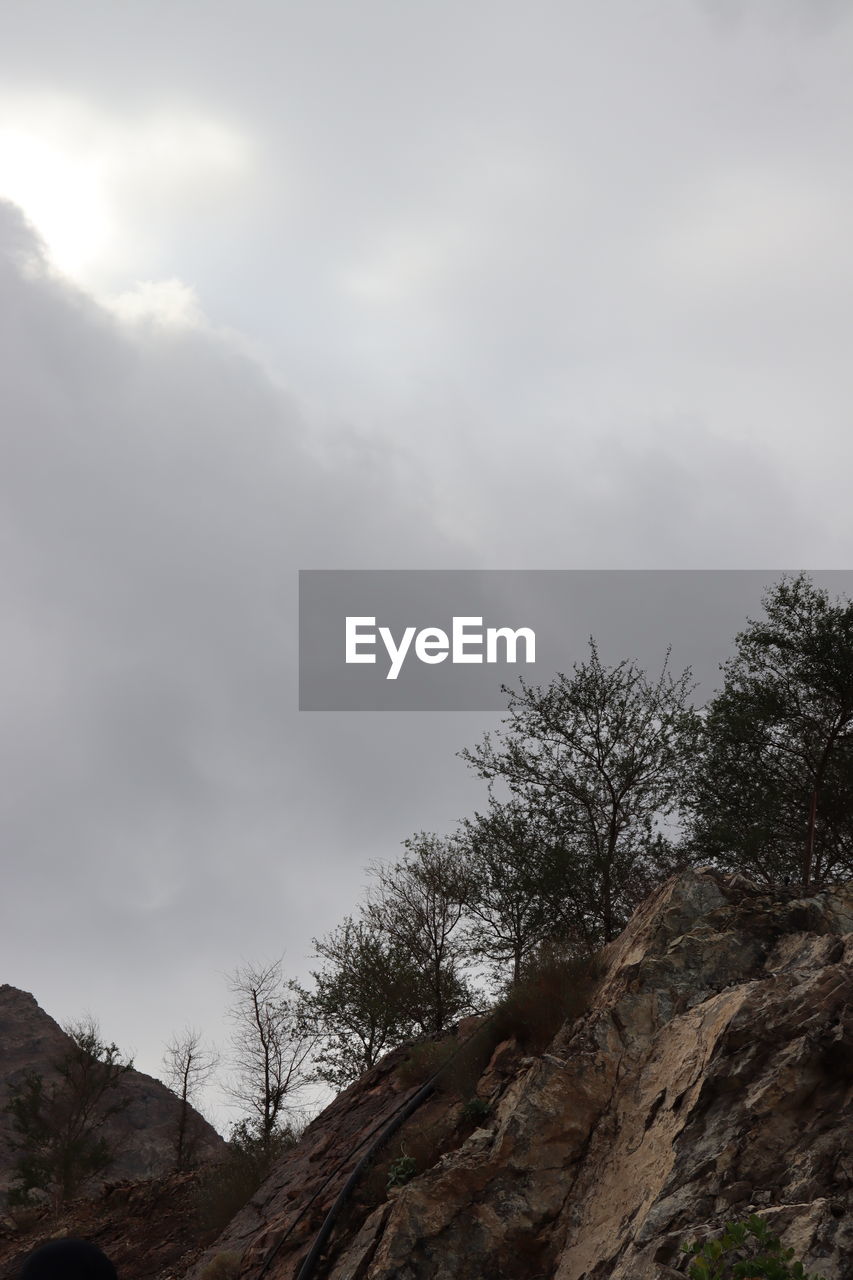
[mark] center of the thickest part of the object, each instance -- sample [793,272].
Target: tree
[602,753]
[363,998]
[271,1046]
[418,903]
[187,1067]
[774,791]
[523,883]
[59,1123]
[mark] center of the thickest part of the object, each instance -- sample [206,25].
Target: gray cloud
[568,287]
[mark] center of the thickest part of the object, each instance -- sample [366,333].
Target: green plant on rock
[745,1251]
[401,1171]
[475,1111]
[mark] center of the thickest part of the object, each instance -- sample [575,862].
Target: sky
[284,286]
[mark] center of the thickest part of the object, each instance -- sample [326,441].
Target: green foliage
[401,1171]
[418,904]
[772,792]
[363,1000]
[745,1251]
[475,1111]
[523,885]
[601,755]
[58,1123]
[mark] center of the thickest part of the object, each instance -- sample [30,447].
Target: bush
[745,1251]
[475,1111]
[227,1186]
[401,1171]
[457,1064]
[422,1141]
[554,988]
[423,1060]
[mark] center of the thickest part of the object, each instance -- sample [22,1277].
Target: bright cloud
[96,184]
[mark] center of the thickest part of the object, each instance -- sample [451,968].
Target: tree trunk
[808,856]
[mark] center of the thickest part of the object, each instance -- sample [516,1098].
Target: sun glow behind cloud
[98,188]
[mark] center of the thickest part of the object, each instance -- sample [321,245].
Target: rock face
[143,1133]
[711,1077]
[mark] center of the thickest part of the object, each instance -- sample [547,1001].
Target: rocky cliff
[710,1076]
[143,1133]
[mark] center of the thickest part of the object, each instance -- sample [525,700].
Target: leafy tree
[188,1066]
[774,790]
[523,883]
[271,1047]
[603,754]
[59,1122]
[363,998]
[418,904]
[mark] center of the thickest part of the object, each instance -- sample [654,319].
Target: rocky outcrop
[142,1133]
[710,1077]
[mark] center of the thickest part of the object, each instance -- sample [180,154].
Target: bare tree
[188,1065]
[271,1046]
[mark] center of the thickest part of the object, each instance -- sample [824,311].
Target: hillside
[710,1076]
[142,1134]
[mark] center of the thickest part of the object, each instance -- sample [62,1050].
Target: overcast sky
[335,285]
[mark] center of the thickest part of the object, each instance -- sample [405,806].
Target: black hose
[313,1256]
[309,1263]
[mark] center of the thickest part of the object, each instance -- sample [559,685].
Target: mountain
[142,1134]
[709,1076]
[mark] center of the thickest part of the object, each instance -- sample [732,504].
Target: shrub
[745,1251]
[401,1171]
[227,1186]
[475,1111]
[458,1063]
[424,1138]
[554,988]
[423,1060]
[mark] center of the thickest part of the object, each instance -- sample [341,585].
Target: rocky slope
[710,1076]
[148,1229]
[143,1133]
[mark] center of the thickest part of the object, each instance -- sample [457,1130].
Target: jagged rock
[142,1134]
[711,1077]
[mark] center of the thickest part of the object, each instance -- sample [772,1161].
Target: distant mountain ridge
[142,1134]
